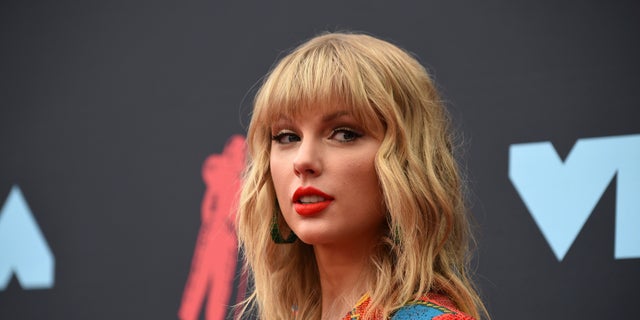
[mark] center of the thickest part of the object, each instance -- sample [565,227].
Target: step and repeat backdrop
[122,128]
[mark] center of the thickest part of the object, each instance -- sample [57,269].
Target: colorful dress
[430,307]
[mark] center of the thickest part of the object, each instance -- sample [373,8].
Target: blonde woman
[351,205]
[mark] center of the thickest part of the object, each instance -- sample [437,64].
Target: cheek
[364,175]
[276,165]
[376,189]
[274,171]
[278,177]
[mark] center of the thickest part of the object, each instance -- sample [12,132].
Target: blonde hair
[426,245]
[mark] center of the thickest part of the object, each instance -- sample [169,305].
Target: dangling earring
[395,234]
[275,233]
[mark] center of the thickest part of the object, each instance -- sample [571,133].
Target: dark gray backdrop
[109,108]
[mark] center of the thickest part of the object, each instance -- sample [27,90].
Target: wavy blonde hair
[426,244]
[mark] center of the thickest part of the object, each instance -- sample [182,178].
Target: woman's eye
[285,138]
[345,135]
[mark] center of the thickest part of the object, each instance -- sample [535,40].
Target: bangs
[317,78]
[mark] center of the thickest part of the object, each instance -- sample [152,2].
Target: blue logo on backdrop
[23,249]
[561,196]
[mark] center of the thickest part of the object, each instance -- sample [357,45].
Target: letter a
[23,249]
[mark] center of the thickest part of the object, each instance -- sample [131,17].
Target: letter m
[561,195]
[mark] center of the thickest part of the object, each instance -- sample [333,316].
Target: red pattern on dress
[362,307]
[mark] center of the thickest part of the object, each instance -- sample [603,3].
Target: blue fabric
[416,311]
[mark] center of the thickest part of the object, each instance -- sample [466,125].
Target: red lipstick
[314,201]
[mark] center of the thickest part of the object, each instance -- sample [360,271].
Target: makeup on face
[323,170]
[309,201]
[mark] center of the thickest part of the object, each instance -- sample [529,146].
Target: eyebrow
[326,118]
[335,115]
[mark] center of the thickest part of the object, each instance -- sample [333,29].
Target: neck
[344,271]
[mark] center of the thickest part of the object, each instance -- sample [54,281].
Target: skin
[330,151]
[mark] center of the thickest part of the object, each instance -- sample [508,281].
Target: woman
[351,205]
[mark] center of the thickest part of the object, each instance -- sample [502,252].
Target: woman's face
[322,166]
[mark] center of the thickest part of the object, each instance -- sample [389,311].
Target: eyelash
[355,134]
[282,134]
[278,137]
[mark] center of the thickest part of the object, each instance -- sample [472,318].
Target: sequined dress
[430,307]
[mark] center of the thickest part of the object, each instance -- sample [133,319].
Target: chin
[313,237]
[309,239]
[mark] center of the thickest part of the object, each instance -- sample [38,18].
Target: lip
[310,209]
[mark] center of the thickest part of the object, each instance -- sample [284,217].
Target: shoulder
[431,307]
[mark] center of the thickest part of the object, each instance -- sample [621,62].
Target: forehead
[326,112]
[318,79]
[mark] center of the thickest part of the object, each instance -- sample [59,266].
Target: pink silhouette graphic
[215,258]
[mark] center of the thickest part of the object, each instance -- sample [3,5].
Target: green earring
[396,236]
[275,233]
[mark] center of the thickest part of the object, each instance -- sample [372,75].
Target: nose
[308,162]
